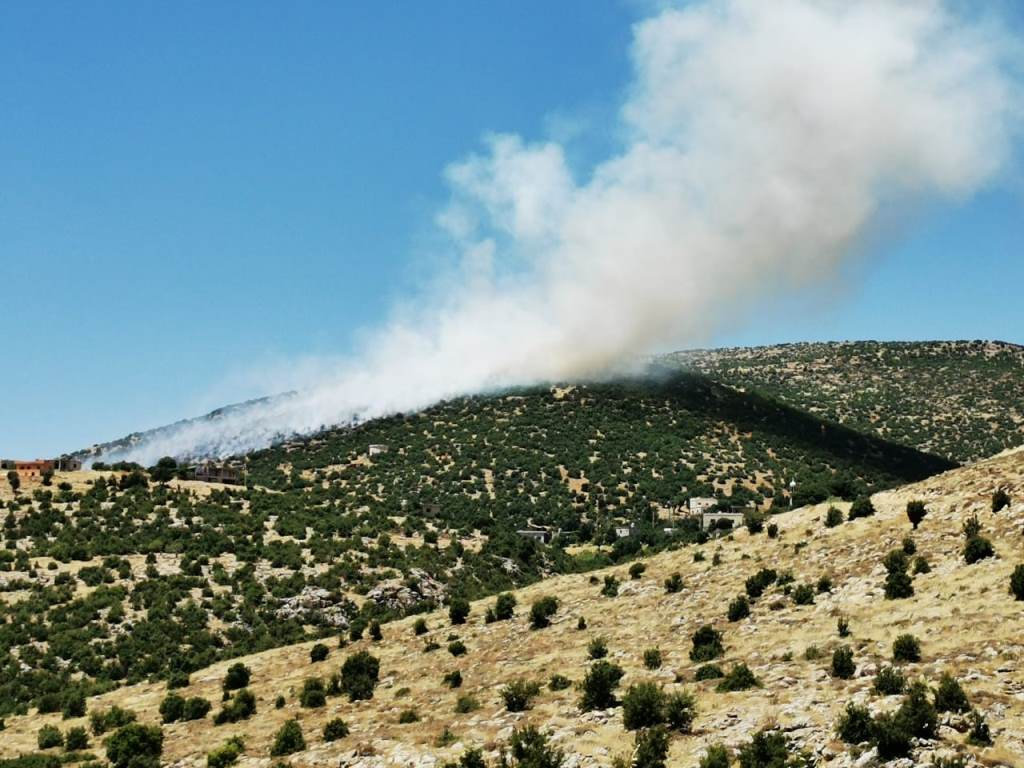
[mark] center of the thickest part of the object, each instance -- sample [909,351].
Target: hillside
[960,399]
[965,620]
[111,578]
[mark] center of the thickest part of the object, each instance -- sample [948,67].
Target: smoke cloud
[761,141]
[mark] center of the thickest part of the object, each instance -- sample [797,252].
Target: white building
[701,504]
[375,449]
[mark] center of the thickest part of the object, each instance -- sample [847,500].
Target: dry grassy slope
[966,621]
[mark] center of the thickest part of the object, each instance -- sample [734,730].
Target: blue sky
[189,189]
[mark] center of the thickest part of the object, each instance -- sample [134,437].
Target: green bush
[739,678]
[768,749]
[237,676]
[597,648]
[921,565]
[674,584]
[636,570]
[977,548]
[102,721]
[73,705]
[312,695]
[890,737]
[466,704]
[318,652]
[917,713]
[135,746]
[196,708]
[897,582]
[559,682]
[458,610]
[916,512]
[611,586]
[979,734]
[643,706]
[739,608]
[226,754]
[908,546]
[759,582]
[420,626]
[457,648]
[855,725]
[652,658]
[519,694]
[843,626]
[77,738]
[1000,500]
[172,708]
[803,595]
[335,729]
[529,748]
[1017,582]
[949,696]
[541,612]
[708,672]
[716,756]
[599,685]
[49,736]
[680,711]
[504,607]
[833,517]
[906,648]
[408,716]
[288,739]
[889,681]
[753,520]
[707,644]
[453,679]
[359,676]
[861,507]
[843,667]
[650,748]
[241,706]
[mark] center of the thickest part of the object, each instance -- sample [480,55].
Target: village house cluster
[36,468]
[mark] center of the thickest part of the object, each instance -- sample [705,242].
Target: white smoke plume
[761,141]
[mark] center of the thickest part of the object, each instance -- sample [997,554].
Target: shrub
[504,607]
[457,648]
[529,748]
[466,704]
[73,705]
[673,584]
[897,582]
[519,694]
[599,685]
[753,520]
[196,708]
[541,612]
[917,714]
[312,695]
[680,711]
[971,527]
[843,626]
[739,678]
[977,548]
[650,748]
[597,648]
[652,658]
[420,627]
[833,517]
[559,682]
[172,708]
[1000,500]
[1017,582]
[279,702]
[739,608]
[359,676]
[318,652]
[375,631]
[581,623]
[979,734]
[716,756]
[453,679]
[49,736]
[708,672]
[707,644]
[842,663]
[471,758]
[773,531]
[906,648]
[915,514]
[135,746]
[226,754]
[100,722]
[237,677]
[949,696]
[921,565]
[889,681]
[458,610]
[636,570]
[908,546]
[803,595]
[759,582]
[241,707]
[855,725]
[890,737]
[611,586]
[335,729]
[76,738]
[643,706]
[288,739]
[768,749]
[862,507]
[407,716]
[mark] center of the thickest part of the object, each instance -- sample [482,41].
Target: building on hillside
[625,531]
[715,518]
[67,464]
[27,470]
[538,533]
[212,472]
[700,504]
[376,448]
